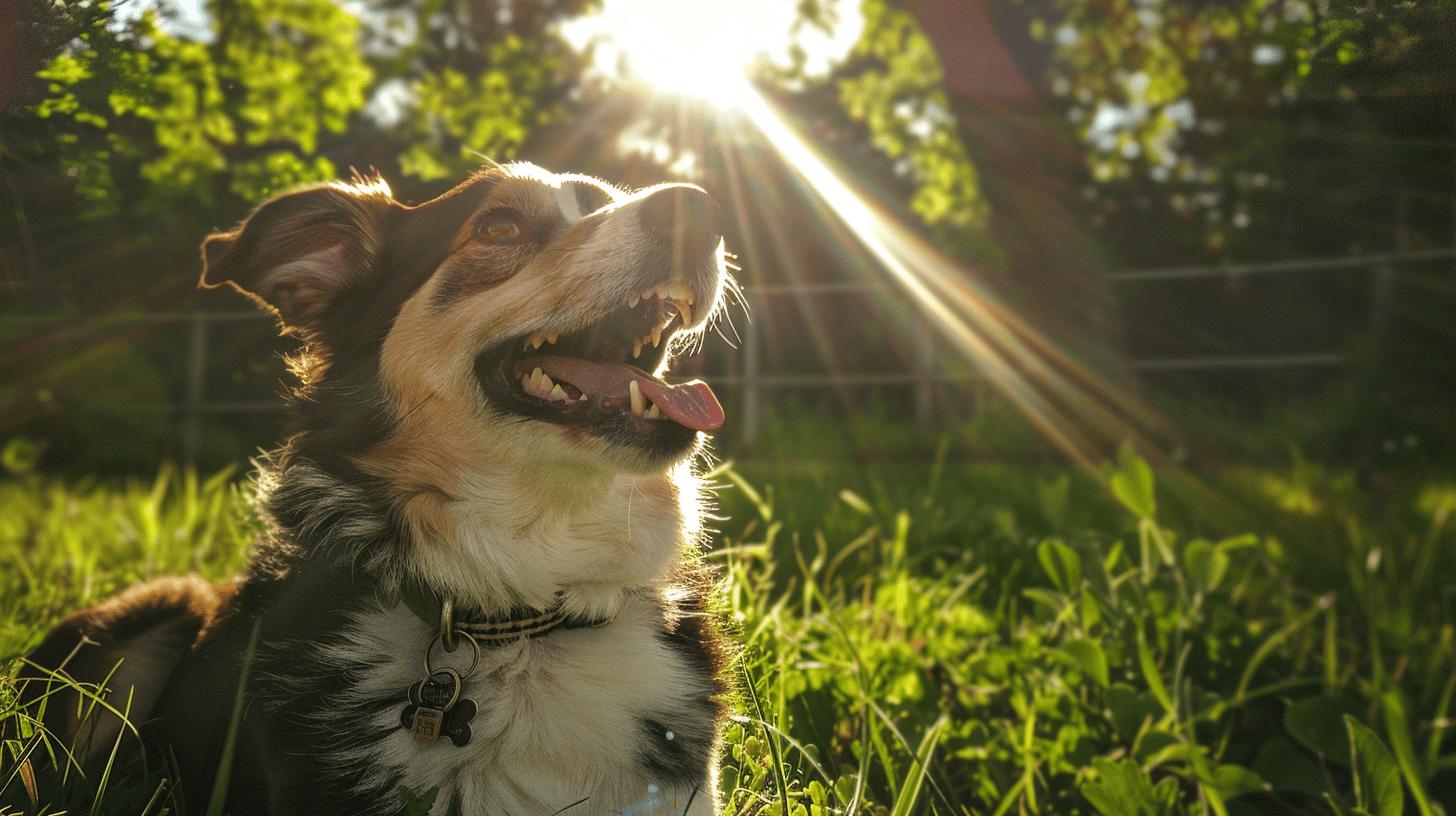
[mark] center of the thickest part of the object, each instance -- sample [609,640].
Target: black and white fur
[404,471]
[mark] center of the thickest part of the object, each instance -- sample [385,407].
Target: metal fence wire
[753,382]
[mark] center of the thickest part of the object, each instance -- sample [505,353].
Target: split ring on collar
[440,639]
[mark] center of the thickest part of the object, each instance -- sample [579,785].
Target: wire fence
[753,383]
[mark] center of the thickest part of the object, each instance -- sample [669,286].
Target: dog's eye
[501,226]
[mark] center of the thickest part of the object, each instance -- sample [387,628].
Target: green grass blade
[1397,730]
[218,800]
[915,777]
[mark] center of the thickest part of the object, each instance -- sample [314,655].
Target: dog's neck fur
[510,537]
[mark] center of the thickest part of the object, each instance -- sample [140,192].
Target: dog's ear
[298,251]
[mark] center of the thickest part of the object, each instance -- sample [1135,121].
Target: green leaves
[1061,563]
[1318,724]
[1089,656]
[1377,779]
[1122,789]
[1132,483]
[248,108]
[1205,564]
[456,117]
[897,94]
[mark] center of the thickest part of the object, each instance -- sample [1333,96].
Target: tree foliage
[888,93]
[1215,112]
[897,94]
[144,120]
[472,79]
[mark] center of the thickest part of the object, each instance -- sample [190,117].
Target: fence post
[748,423]
[196,374]
[1382,292]
[924,372]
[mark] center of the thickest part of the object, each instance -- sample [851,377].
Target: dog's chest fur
[621,716]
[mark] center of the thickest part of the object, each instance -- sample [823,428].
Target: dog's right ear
[298,251]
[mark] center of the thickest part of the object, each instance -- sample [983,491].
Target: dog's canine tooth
[536,375]
[537,339]
[653,412]
[633,301]
[636,349]
[686,309]
[656,336]
[634,393]
[557,393]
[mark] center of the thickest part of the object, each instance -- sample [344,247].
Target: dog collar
[435,707]
[485,630]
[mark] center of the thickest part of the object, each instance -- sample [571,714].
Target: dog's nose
[682,210]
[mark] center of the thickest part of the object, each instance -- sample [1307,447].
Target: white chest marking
[560,720]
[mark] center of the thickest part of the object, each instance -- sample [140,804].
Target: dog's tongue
[692,404]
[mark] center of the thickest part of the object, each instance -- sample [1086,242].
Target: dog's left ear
[297,252]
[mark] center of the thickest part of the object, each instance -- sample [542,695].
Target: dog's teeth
[656,336]
[649,294]
[526,382]
[551,338]
[558,394]
[686,308]
[634,393]
[653,413]
[633,301]
[537,339]
[581,398]
[636,349]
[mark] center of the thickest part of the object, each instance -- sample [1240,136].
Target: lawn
[972,638]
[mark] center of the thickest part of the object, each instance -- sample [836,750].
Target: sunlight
[701,50]
[707,48]
[1063,400]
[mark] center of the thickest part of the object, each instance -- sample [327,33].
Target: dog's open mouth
[602,376]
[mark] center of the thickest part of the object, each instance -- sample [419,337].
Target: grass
[988,639]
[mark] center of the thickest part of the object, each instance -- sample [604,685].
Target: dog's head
[523,315]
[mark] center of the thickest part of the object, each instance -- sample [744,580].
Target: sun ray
[660,44]
[1062,400]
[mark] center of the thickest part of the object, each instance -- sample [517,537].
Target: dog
[477,588]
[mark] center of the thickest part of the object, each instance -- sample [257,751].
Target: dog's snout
[683,210]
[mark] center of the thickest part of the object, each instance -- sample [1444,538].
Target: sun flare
[707,49]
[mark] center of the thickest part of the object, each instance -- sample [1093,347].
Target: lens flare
[1071,406]
[679,48]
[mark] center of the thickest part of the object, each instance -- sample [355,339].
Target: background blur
[1238,215]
